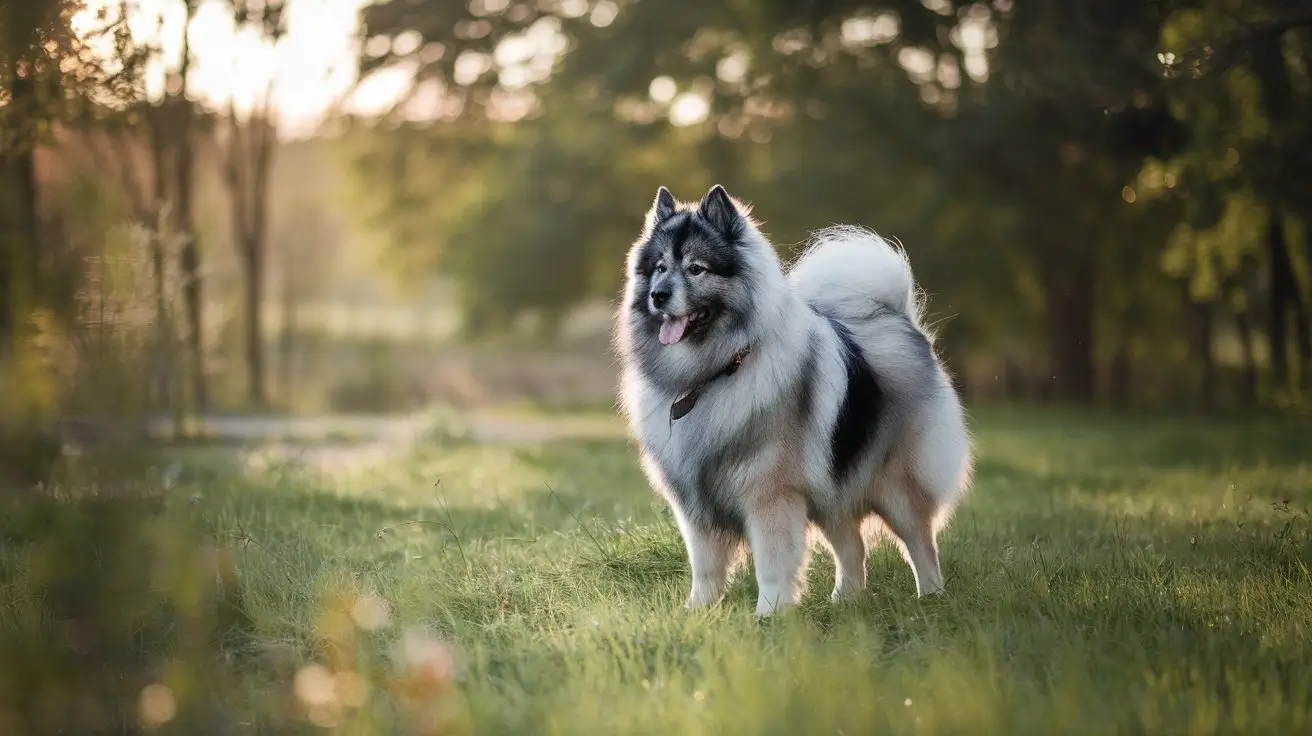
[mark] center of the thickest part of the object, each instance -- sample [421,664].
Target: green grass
[1104,575]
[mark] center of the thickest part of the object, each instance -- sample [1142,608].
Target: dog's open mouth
[674,328]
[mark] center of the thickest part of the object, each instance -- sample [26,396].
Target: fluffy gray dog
[769,404]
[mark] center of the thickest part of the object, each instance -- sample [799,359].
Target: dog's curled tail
[851,273]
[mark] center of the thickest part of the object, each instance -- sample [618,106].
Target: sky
[313,67]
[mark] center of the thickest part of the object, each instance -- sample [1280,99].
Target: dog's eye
[660,268]
[696,269]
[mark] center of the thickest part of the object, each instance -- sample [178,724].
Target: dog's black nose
[660,297]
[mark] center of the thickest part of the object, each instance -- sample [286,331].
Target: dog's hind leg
[909,513]
[776,531]
[849,548]
[711,554]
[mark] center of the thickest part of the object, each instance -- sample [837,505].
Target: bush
[115,607]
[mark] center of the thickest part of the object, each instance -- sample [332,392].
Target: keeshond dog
[775,406]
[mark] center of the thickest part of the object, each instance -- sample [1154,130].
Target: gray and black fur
[819,403]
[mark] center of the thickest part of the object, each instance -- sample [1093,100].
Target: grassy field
[1105,575]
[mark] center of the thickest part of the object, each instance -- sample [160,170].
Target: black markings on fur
[721,254]
[720,212]
[690,235]
[709,504]
[862,403]
[664,207]
[646,263]
[813,512]
[708,508]
[677,231]
[806,389]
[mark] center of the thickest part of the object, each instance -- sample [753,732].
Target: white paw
[844,596]
[695,602]
[766,608]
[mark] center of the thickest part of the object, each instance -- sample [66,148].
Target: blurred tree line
[101,261]
[111,595]
[1107,199]
[121,612]
[58,273]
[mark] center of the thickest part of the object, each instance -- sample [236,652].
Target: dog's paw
[766,610]
[845,596]
[695,603]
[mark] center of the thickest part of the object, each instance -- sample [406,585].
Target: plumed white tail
[848,272]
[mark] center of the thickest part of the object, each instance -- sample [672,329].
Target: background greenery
[1101,197]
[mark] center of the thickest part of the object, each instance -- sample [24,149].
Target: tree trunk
[1302,322]
[1118,384]
[1070,309]
[1278,95]
[1120,379]
[1247,340]
[1302,330]
[189,256]
[154,209]
[1013,380]
[1284,291]
[1206,324]
[1302,341]
[247,169]
[19,255]
[256,393]
[287,338]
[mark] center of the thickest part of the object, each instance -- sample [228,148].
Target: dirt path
[352,443]
[485,427]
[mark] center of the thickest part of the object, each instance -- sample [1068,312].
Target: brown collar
[688,400]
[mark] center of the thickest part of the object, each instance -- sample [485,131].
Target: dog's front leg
[710,553]
[776,530]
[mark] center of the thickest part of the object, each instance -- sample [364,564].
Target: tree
[1021,150]
[179,98]
[28,78]
[52,81]
[150,152]
[250,146]
[1244,75]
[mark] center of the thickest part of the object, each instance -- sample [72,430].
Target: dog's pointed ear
[662,209]
[719,210]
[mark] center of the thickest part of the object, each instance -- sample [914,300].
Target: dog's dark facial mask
[689,267]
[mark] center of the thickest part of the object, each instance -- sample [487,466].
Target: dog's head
[689,274]
[703,284]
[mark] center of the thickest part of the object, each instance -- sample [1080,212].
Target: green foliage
[108,601]
[97,353]
[51,79]
[1036,158]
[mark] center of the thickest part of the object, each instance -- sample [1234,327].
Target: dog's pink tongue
[672,329]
